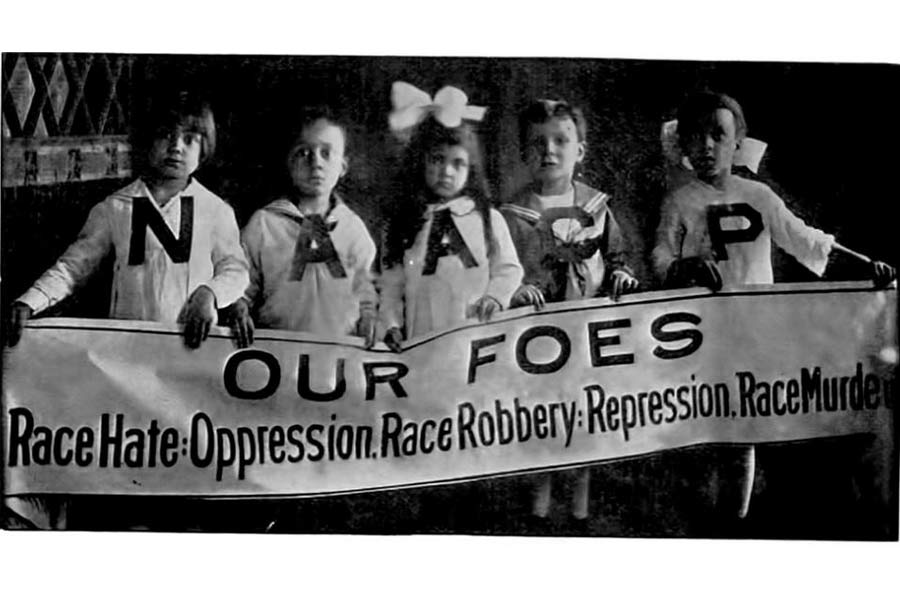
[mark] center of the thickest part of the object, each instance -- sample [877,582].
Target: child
[311,262]
[177,248]
[448,254]
[694,246]
[176,244]
[566,236]
[310,255]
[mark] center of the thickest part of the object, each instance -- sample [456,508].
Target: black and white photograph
[533,297]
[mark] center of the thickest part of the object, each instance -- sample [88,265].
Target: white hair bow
[749,153]
[411,105]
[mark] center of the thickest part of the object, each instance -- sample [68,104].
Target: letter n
[144,215]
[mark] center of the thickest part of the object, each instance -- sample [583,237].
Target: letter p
[720,237]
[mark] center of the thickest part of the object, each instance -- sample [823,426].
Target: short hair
[181,109]
[306,116]
[541,111]
[698,106]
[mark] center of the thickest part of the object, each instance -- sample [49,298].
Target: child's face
[447,170]
[317,160]
[176,154]
[712,146]
[553,151]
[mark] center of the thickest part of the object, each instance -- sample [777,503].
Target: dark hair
[408,214]
[180,109]
[696,109]
[308,115]
[284,144]
[541,111]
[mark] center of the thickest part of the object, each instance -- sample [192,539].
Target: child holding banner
[189,264]
[448,255]
[698,240]
[566,236]
[717,228]
[310,255]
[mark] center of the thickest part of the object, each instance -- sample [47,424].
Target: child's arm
[76,264]
[391,284]
[239,314]
[673,269]
[229,280]
[535,279]
[882,273]
[669,237]
[252,244]
[230,269]
[811,247]
[808,245]
[505,269]
[620,278]
[70,271]
[363,286]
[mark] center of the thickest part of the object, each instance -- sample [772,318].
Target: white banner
[122,407]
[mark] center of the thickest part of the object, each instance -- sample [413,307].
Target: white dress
[430,302]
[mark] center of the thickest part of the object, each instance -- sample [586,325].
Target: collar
[527,204]
[728,183]
[285,207]
[138,188]
[460,206]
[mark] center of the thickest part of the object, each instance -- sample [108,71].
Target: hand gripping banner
[122,407]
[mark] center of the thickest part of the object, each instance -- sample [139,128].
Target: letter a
[314,245]
[446,240]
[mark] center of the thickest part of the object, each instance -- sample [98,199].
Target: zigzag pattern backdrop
[65,117]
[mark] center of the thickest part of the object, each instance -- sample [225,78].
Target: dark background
[832,131]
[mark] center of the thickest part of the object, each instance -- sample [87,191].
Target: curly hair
[407,216]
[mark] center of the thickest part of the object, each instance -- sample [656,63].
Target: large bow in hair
[411,105]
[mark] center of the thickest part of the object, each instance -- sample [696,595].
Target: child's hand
[393,338]
[365,328]
[882,274]
[622,282]
[485,307]
[238,317]
[694,271]
[527,295]
[198,316]
[19,314]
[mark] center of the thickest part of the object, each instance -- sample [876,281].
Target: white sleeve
[669,238]
[76,264]
[230,273]
[391,284]
[364,251]
[505,270]
[807,244]
[251,241]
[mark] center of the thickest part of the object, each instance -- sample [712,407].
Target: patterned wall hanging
[65,118]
